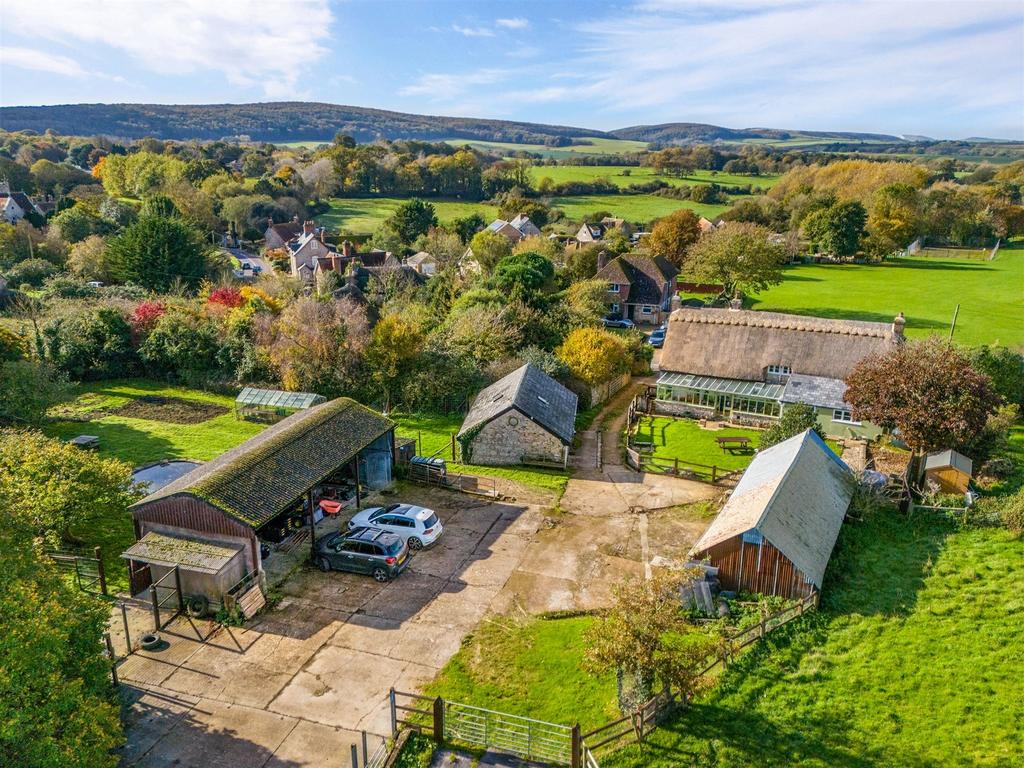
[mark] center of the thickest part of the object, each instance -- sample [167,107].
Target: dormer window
[613,288]
[779,370]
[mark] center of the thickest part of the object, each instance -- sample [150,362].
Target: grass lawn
[595,146]
[639,175]
[914,660]
[683,439]
[531,669]
[139,441]
[926,290]
[362,215]
[643,208]
[433,433]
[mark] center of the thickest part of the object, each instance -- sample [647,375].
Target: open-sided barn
[776,532]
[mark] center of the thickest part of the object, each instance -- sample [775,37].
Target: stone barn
[775,534]
[524,418]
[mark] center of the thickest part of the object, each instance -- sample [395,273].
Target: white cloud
[473,31]
[41,61]
[445,87]
[249,42]
[517,22]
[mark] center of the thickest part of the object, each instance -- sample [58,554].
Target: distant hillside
[699,133]
[277,121]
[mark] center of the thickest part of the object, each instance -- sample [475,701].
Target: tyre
[150,641]
[415,544]
[197,606]
[381,575]
[323,564]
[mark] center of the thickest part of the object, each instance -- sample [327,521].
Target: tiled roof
[815,390]
[532,392]
[646,275]
[257,480]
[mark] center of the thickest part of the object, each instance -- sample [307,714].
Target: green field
[595,146]
[433,434]
[990,295]
[912,660]
[683,439]
[617,174]
[643,208]
[362,215]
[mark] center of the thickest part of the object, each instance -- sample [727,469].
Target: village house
[515,230]
[706,225]
[775,534]
[524,418]
[279,235]
[14,206]
[595,233]
[209,522]
[745,367]
[640,287]
[423,262]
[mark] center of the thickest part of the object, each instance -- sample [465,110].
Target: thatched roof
[257,480]
[795,494]
[534,394]
[741,344]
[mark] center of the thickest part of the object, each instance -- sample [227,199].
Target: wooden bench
[733,443]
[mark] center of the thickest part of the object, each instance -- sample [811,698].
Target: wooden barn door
[139,577]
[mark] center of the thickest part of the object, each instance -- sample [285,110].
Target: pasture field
[362,215]
[911,660]
[624,175]
[643,208]
[596,146]
[926,290]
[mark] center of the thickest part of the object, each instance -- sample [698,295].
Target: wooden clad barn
[208,521]
[524,418]
[949,470]
[776,532]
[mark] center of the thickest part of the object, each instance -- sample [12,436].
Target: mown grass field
[642,208]
[990,295]
[595,146]
[92,411]
[362,215]
[683,439]
[434,434]
[624,175]
[914,659]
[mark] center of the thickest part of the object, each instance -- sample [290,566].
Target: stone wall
[507,438]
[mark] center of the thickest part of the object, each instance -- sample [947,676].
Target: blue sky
[944,69]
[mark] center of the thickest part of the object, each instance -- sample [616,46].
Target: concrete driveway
[294,687]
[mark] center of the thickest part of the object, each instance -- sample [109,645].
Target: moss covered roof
[257,480]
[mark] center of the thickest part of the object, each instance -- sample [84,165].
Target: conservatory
[712,397]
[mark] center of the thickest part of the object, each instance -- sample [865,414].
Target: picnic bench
[733,443]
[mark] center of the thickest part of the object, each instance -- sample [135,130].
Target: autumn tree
[88,259]
[28,388]
[928,390]
[594,355]
[645,636]
[523,276]
[894,219]
[837,229]
[738,256]
[393,348]
[673,235]
[795,419]
[489,248]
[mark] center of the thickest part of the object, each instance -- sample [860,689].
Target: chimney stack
[307,227]
[898,324]
[346,248]
[602,260]
[736,303]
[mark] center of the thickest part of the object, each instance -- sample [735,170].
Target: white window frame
[614,308]
[647,309]
[780,370]
[613,287]
[843,416]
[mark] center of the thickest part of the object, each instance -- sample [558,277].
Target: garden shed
[226,505]
[524,418]
[273,404]
[949,470]
[776,532]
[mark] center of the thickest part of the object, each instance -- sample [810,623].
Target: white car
[418,526]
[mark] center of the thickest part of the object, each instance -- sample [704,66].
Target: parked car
[417,526]
[657,338]
[621,322]
[364,550]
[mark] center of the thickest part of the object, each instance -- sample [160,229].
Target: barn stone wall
[508,438]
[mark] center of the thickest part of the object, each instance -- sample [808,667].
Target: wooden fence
[691,470]
[453,481]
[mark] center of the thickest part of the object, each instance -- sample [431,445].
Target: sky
[923,67]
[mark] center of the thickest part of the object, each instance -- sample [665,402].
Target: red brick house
[640,287]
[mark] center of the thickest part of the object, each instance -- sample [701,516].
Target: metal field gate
[86,568]
[530,739]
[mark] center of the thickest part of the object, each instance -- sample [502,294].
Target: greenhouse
[273,404]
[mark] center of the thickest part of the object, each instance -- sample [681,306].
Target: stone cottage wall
[509,437]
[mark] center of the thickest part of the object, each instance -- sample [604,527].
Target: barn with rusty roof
[210,522]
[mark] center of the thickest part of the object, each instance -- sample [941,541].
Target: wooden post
[419,442]
[358,494]
[127,634]
[676,465]
[156,608]
[577,747]
[714,473]
[761,625]
[439,720]
[453,447]
[177,588]
[98,554]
